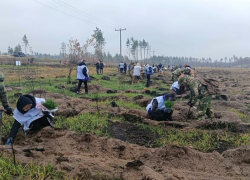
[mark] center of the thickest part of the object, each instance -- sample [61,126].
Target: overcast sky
[197,28]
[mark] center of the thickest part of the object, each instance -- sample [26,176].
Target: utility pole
[120,40]
[137,50]
[31,51]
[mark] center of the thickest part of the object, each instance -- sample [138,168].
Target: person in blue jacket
[149,71]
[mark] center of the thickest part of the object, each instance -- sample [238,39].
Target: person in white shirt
[137,71]
[176,88]
[121,66]
[157,110]
[30,113]
[82,76]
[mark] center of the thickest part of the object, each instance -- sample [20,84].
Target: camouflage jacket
[132,65]
[178,72]
[3,93]
[197,90]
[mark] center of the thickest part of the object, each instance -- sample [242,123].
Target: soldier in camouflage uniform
[176,74]
[3,95]
[198,91]
[131,71]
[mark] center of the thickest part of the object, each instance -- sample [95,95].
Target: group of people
[123,67]
[185,79]
[99,67]
[135,71]
[30,112]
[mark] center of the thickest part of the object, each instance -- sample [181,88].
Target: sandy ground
[84,155]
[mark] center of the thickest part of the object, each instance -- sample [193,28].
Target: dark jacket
[97,65]
[101,65]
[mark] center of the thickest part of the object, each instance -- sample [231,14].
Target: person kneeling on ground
[157,110]
[29,113]
[178,90]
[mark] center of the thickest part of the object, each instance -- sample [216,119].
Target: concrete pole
[120,41]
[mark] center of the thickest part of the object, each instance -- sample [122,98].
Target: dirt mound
[239,155]
[84,155]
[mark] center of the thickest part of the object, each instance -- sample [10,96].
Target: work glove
[169,111]
[45,112]
[10,141]
[190,104]
[8,110]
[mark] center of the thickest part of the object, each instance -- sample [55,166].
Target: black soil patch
[134,164]
[132,133]
[223,146]
[131,118]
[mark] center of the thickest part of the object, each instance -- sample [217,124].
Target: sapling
[50,104]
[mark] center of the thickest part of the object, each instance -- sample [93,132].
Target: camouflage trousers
[204,108]
[132,77]
[3,93]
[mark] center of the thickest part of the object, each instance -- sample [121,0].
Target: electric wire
[70,14]
[83,13]
[104,23]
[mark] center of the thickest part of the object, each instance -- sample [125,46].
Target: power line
[94,16]
[70,14]
[83,13]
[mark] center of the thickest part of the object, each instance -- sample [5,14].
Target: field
[106,134]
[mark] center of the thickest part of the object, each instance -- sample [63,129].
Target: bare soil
[127,155]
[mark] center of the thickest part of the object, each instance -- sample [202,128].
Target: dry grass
[13,73]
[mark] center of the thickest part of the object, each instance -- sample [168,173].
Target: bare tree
[76,53]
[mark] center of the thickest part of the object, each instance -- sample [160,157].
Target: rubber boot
[86,90]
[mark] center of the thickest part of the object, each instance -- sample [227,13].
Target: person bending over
[29,113]
[157,110]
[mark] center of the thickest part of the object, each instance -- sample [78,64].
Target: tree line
[137,50]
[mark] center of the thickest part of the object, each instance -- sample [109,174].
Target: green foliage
[7,124]
[50,104]
[202,140]
[84,123]
[243,116]
[18,48]
[169,104]
[29,171]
